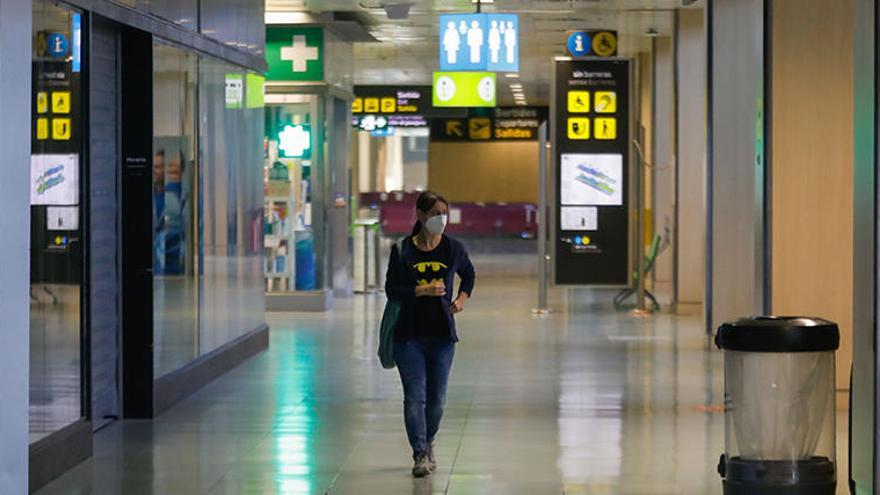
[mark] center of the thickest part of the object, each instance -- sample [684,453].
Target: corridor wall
[811,164]
[691,162]
[505,171]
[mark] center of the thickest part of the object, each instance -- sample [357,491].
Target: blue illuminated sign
[57,45]
[479,42]
[579,44]
[76,29]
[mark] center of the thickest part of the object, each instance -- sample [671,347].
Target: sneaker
[432,462]
[421,467]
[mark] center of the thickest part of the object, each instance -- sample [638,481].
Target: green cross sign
[295,53]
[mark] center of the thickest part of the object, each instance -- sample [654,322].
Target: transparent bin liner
[779,404]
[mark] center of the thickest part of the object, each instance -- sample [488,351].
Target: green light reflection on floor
[294,424]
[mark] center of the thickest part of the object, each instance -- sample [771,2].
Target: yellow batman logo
[433,265]
[425,281]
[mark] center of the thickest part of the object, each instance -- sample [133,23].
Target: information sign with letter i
[593,175]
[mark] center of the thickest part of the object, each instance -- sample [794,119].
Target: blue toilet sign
[57,45]
[479,42]
[579,44]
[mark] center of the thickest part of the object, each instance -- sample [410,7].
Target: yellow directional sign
[61,102]
[578,101]
[606,102]
[42,128]
[480,128]
[606,128]
[389,105]
[371,105]
[357,106]
[578,128]
[42,102]
[604,44]
[454,128]
[61,129]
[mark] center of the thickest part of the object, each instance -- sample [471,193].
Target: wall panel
[488,172]
[691,163]
[812,164]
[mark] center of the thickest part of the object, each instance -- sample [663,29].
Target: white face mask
[436,224]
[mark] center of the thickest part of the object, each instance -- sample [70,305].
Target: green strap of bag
[390,317]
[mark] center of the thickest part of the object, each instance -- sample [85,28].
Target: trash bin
[779,377]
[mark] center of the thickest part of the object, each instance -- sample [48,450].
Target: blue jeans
[424,366]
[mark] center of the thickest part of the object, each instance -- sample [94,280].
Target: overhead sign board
[295,53]
[497,124]
[371,122]
[591,43]
[591,136]
[388,100]
[479,42]
[464,89]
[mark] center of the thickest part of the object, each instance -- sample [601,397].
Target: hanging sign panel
[494,124]
[591,43]
[479,42]
[295,53]
[592,171]
[464,89]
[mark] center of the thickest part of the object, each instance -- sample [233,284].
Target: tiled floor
[586,401]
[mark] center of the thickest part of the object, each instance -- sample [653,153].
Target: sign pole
[543,258]
[641,306]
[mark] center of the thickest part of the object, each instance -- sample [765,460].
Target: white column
[691,238]
[15,98]
[736,163]
[393,163]
[365,167]
[664,159]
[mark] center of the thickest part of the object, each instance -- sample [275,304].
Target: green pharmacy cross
[295,141]
[299,53]
[295,53]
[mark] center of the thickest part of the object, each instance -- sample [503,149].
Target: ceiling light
[516,85]
[511,75]
[652,33]
[397,11]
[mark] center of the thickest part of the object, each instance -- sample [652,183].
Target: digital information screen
[592,171]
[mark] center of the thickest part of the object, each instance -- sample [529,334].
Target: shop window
[175,221]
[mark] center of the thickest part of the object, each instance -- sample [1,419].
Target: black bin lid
[779,334]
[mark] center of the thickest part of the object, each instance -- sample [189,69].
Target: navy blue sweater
[400,285]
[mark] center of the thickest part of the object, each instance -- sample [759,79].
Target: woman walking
[421,277]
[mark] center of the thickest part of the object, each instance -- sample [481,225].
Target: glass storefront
[290,259]
[207,206]
[231,200]
[175,257]
[57,243]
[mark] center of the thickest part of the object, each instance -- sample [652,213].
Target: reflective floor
[55,393]
[586,401]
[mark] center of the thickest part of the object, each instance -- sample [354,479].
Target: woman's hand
[434,289]
[457,306]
